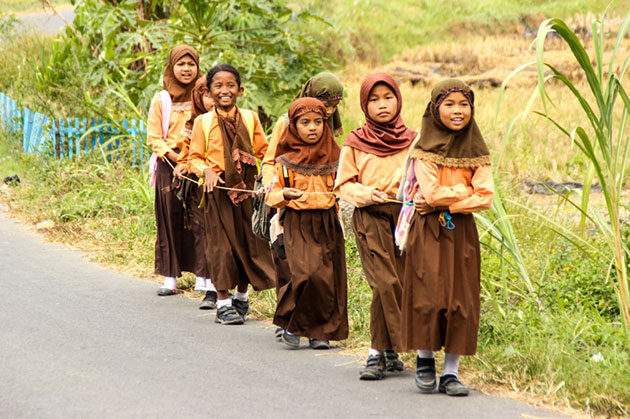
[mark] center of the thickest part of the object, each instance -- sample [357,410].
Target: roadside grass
[32,6]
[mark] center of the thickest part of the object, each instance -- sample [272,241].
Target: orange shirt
[462,190]
[268,163]
[311,183]
[361,173]
[200,158]
[180,113]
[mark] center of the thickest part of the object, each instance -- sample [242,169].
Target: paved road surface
[79,340]
[48,22]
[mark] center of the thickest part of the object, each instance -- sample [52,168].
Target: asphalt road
[47,23]
[79,340]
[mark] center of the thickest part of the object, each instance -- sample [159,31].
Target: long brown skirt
[441,285]
[234,254]
[384,267]
[314,303]
[174,246]
[198,230]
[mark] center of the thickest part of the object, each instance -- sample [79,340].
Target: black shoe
[374,368]
[425,374]
[392,363]
[228,315]
[450,385]
[278,333]
[241,307]
[209,302]
[318,343]
[163,292]
[291,340]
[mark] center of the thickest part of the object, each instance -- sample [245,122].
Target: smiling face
[224,90]
[382,103]
[310,127]
[455,111]
[185,69]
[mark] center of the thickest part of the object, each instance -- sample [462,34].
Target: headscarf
[238,154]
[325,86]
[376,138]
[445,147]
[320,158]
[197,105]
[179,92]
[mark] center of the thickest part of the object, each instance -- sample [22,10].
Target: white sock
[209,285]
[170,283]
[241,295]
[373,351]
[200,284]
[451,364]
[425,354]
[224,303]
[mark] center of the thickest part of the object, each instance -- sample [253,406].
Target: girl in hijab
[370,170]
[201,103]
[224,146]
[449,178]
[313,303]
[326,87]
[174,246]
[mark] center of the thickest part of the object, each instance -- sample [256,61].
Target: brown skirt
[234,254]
[174,246]
[314,303]
[441,285]
[384,266]
[198,230]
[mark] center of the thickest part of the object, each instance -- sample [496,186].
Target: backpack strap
[206,123]
[165,97]
[287,177]
[248,120]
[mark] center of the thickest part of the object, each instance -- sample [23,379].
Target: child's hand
[180,172]
[379,197]
[291,193]
[421,205]
[211,180]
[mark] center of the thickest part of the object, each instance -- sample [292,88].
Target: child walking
[370,170]
[174,246]
[326,87]
[449,178]
[313,303]
[191,196]
[223,149]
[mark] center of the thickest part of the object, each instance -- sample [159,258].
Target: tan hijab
[179,92]
[445,147]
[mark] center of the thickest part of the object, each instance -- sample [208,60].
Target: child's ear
[240,90]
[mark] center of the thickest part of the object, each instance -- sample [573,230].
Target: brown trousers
[384,266]
[314,302]
[441,285]
[233,253]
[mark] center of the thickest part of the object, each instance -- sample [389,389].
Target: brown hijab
[445,147]
[179,92]
[197,104]
[373,137]
[320,158]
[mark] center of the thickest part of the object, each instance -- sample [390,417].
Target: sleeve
[347,185]
[182,158]
[275,198]
[154,129]
[268,165]
[197,150]
[483,191]
[435,194]
[260,140]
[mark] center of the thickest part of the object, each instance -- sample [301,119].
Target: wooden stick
[76,33]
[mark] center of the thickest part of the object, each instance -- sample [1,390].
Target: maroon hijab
[373,137]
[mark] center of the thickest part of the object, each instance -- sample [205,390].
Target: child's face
[224,90]
[331,107]
[382,104]
[185,69]
[208,103]
[455,111]
[310,127]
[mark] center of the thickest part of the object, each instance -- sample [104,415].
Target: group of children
[414,195]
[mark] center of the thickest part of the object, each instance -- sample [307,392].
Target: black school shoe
[392,363]
[318,343]
[374,368]
[450,385]
[163,292]
[278,333]
[291,340]
[209,302]
[228,315]
[241,307]
[425,375]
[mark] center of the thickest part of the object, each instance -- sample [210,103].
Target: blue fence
[72,137]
